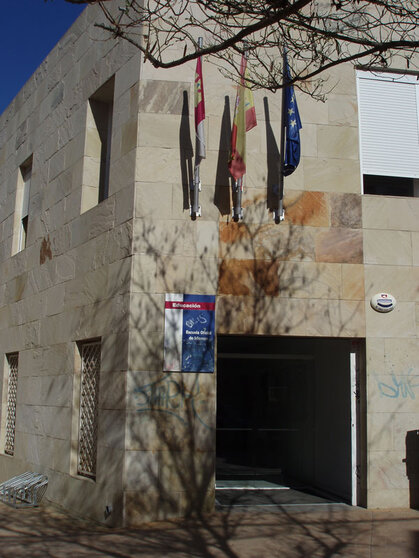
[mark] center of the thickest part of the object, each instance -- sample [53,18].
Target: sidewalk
[349,532]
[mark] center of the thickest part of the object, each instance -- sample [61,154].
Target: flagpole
[196,183]
[279,214]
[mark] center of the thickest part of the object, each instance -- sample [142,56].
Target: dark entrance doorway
[284,414]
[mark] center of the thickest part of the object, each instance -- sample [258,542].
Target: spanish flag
[244,120]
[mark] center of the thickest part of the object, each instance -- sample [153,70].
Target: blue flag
[292,125]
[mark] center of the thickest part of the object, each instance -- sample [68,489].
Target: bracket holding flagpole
[237,212]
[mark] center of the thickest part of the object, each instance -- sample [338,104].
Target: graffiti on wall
[401,386]
[171,397]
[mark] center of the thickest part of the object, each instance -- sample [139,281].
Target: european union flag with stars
[292,125]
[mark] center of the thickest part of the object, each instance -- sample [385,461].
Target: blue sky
[29,29]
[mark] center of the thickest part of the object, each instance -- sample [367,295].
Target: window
[11,390]
[98,146]
[21,221]
[389,132]
[89,399]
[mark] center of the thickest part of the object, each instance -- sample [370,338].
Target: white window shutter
[389,127]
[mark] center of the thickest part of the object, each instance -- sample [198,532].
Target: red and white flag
[199,112]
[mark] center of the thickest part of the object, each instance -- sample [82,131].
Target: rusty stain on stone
[233,232]
[241,277]
[45,250]
[309,208]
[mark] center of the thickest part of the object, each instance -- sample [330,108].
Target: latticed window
[89,396]
[13,361]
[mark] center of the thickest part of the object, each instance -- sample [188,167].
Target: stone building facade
[96,153]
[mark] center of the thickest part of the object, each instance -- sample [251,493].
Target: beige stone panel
[335,318]
[122,172]
[404,423]
[129,136]
[266,241]
[159,165]
[339,245]
[187,274]
[208,200]
[338,142]
[380,428]
[160,237]
[155,430]
[119,242]
[415,248]
[118,277]
[98,220]
[206,239]
[54,298]
[124,204]
[111,428]
[29,392]
[261,315]
[386,471]
[398,323]
[185,72]
[401,356]
[392,393]
[309,280]
[218,132]
[165,130]
[255,211]
[353,282]
[58,359]
[85,290]
[312,111]
[186,471]
[342,80]
[42,420]
[308,138]
[146,346]
[141,470]
[128,75]
[147,314]
[387,247]
[144,274]
[163,96]
[331,175]
[346,210]
[400,281]
[152,199]
[393,498]
[56,164]
[343,110]
[390,212]
[114,353]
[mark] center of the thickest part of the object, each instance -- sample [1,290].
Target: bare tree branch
[319,34]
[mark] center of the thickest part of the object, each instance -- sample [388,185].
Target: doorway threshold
[249,484]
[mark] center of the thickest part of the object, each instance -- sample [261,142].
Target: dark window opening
[101,104]
[390,186]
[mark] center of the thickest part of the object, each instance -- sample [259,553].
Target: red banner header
[179,305]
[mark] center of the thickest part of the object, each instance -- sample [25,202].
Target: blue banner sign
[189,333]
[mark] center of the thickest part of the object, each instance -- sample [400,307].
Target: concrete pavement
[246,533]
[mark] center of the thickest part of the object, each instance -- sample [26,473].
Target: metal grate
[89,396]
[13,361]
